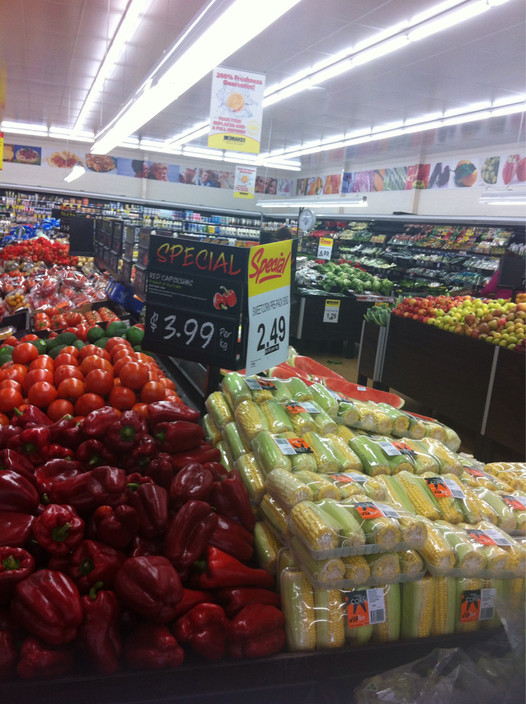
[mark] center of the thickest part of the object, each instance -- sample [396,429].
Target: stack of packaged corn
[373,524]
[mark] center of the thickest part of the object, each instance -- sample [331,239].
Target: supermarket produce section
[291,536]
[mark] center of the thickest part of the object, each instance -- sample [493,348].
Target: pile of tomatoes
[77,381]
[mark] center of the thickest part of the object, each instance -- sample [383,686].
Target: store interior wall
[446,202]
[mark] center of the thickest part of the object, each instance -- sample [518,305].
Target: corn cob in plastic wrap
[319,484]
[297,604]
[419,494]
[371,457]
[326,460]
[358,629]
[399,419]
[226,457]
[379,529]
[235,443]
[469,556]
[317,530]
[411,563]
[292,389]
[326,571]
[212,432]
[395,454]
[219,410]
[252,476]
[329,613]
[303,455]
[449,461]
[435,430]
[324,398]
[515,549]
[276,416]
[436,551]
[347,459]
[423,461]
[347,434]
[287,488]
[473,508]
[266,547]
[301,420]
[268,454]
[357,569]
[505,515]
[417,608]
[444,607]
[235,389]
[389,630]
[275,515]
[384,567]
[250,420]
[348,414]
[349,528]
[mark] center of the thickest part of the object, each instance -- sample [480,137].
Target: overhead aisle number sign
[268,305]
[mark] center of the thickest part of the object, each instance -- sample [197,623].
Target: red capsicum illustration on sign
[226,299]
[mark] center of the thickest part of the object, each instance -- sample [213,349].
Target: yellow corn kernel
[312,527]
[444,606]
[436,550]
[287,488]
[410,562]
[329,614]
[357,569]
[416,492]
[270,510]
[297,604]
[266,547]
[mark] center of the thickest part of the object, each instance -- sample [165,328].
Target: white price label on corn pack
[294,446]
[260,384]
[497,537]
[388,448]
[300,407]
[376,600]
[331,312]
[388,511]
[487,604]
[325,248]
[454,488]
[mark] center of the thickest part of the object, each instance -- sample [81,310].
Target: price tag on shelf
[331,312]
[268,305]
[325,248]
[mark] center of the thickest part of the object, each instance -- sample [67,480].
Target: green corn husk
[234,441]
[277,419]
[301,421]
[350,529]
[399,420]
[448,461]
[347,458]
[292,389]
[371,457]
[301,460]
[323,422]
[320,485]
[325,400]
[266,547]
[398,461]
[212,432]
[326,460]
[348,414]
[422,459]
[330,615]
[297,604]
[235,389]
[252,476]
[268,454]
[226,458]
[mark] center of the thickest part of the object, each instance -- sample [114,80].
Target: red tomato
[24,353]
[153,376]
[17,372]
[99,381]
[121,351]
[4,420]
[114,341]
[168,383]
[12,341]
[58,409]
[41,394]
[89,350]
[70,350]
[92,362]
[71,389]
[122,398]
[36,375]
[141,409]
[67,372]
[75,318]
[62,358]
[10,384]
[134,375]
[10,399]
[44,361]
[82,332]
[152,391]
[87,403]
[29,338]
[144,357]
[120,363]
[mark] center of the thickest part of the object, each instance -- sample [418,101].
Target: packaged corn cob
[325,400]
[347,433]
[417,608]
[319,484]
[436,551]
[287,488]
[452,440]
[252,476]
[417,429]
[262,389]
[435,430]
[472,603]
[349,528]
[377,522]
[384,567]
[326,460]
[513,593]
[235,389]
[277,419]
[491,537]
[299,452]
[371,456]
[266,547]
[411,563]
[505,515]
[448,461]
[357,570]
[366,420]
[275,515]
[318,530]
[444,608]
[517,504]
[375,488]
[292,389]
[396,495]
[474,477]
[325,425]
[399,419]
[268,454]
[348,460]
[469,557]
[212,432]
[447,495]
[297,604]
[422,460]
[397,455]
[250,420]
[349,483]
[329,613]
[226,458]
[473,508]
[357,605]
[234,441]
[348,414]
[389,630]
[219,410]
[320,572]
[498,587]
[413,530]
[301,420]
[286,560]
[418,492]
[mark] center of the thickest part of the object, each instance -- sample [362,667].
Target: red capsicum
[15,528]
[58,529]
[38,660]
[168,411]
[256,631]
[97,422]
[193,481]
[188,533]
[47,604]
[151,504]
[54,471]
[145,547]
[191,598]
[17,493]
[142,454]
[8,650]
[231,537]
[10,459]
[32,443]
[15,565]
[153,647]
[204,629]
[7,433]
[98,487]
[204,453]
[236,598]
[178,436]
[160,470]
[66,432]
[150,586]
[30,416]
[115,526]
[229,495]
[229,296]
[223,570]
[125,433]
[99,632]
[93,453]
[219,301]
[59,452]
[93,562]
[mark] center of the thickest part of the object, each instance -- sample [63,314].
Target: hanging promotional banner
[245,182]
[236,110]
[268,305]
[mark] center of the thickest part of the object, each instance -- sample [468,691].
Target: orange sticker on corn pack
[367,510]
[474,472]
[470,605]
[479,536]
[300,445]
[357,607]
[438,487]
[515,503]
[403,447]
[267,384]
[295,407]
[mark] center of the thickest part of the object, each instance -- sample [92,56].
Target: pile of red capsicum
[124,542]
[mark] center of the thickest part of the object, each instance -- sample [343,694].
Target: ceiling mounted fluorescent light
[317,203]
[241,21]
[194,133]
[76,172]
[449,19]
[65,133]
[24,128]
